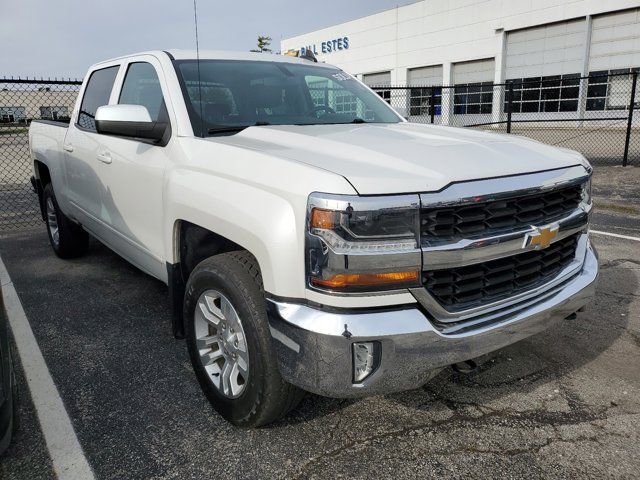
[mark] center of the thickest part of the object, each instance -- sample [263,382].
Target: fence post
[632,102]
[509,104]
[432,104]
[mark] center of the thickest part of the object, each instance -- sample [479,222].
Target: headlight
[359,244]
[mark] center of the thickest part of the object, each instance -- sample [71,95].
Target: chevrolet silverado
[310,237]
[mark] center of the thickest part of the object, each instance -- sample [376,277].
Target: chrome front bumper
[314,347]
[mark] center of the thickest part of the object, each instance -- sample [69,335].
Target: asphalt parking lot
[565,403]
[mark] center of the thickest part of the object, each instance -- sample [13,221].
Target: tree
[263,44]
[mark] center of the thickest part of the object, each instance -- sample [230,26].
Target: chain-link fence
[598,115]
[22,100]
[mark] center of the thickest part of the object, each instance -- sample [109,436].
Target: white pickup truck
[311,238]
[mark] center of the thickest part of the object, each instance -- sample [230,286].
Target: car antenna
[195,17]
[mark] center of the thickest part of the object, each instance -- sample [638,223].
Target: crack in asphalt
[579,412]
[618,296]
[617,262]
[534,449]
[469,421]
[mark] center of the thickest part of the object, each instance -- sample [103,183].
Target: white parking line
[616,235]
[69,461]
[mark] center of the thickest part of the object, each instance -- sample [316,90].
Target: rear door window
[142,87]
[96,95]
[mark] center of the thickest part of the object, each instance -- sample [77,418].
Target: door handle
[104,157]
[67,147]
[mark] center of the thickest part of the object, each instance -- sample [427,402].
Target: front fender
[268,222]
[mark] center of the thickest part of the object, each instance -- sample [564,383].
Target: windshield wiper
[355,120]
[234,128]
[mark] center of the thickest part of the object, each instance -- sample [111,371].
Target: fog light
[363,360]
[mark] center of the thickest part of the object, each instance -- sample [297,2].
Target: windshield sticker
[342,76]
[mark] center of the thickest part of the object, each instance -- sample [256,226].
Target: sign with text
[328,46]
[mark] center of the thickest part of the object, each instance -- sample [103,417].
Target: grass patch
[13,131]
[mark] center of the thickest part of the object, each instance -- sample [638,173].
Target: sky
[62,38]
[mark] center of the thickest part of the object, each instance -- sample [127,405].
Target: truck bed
[46,139]
[60,123]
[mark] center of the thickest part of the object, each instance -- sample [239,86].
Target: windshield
[240,93]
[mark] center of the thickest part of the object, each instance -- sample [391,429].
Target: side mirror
[128,121]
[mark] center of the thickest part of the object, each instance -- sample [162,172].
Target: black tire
[266,396]
[72,240]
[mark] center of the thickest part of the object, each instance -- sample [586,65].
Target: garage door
[615,41]
[555,49]
[473,93]
[382,79]
[477,71]
[425,76]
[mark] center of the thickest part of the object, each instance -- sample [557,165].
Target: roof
[217,55]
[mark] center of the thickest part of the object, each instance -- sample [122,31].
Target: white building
[475,44]
[19,105]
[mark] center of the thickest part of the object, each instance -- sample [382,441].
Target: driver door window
[96,94]
[142,87]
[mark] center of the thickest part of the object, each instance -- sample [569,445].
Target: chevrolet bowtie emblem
[541,237]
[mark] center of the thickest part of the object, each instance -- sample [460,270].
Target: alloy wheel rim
[52,222]
[221,343]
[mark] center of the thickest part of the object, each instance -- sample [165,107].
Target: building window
[553,93]
[54,113]
[473,98]
[338,99]
[319,91]
[346,103]
[378,82]
[420,101]
[13,114]
[384,94]
[611,89]
[327,93]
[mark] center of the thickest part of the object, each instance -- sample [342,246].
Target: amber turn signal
[343,280]
[323,218]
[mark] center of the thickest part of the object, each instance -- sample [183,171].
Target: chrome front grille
[471,286]
[488,217]
[479,258]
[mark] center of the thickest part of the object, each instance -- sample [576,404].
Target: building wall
[28,104]
[444,32]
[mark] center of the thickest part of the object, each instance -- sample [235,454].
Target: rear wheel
[67,239]
[230,343]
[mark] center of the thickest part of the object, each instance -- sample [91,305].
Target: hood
[404,157]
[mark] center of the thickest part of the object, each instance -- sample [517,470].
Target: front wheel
[67,239]
[230,343]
